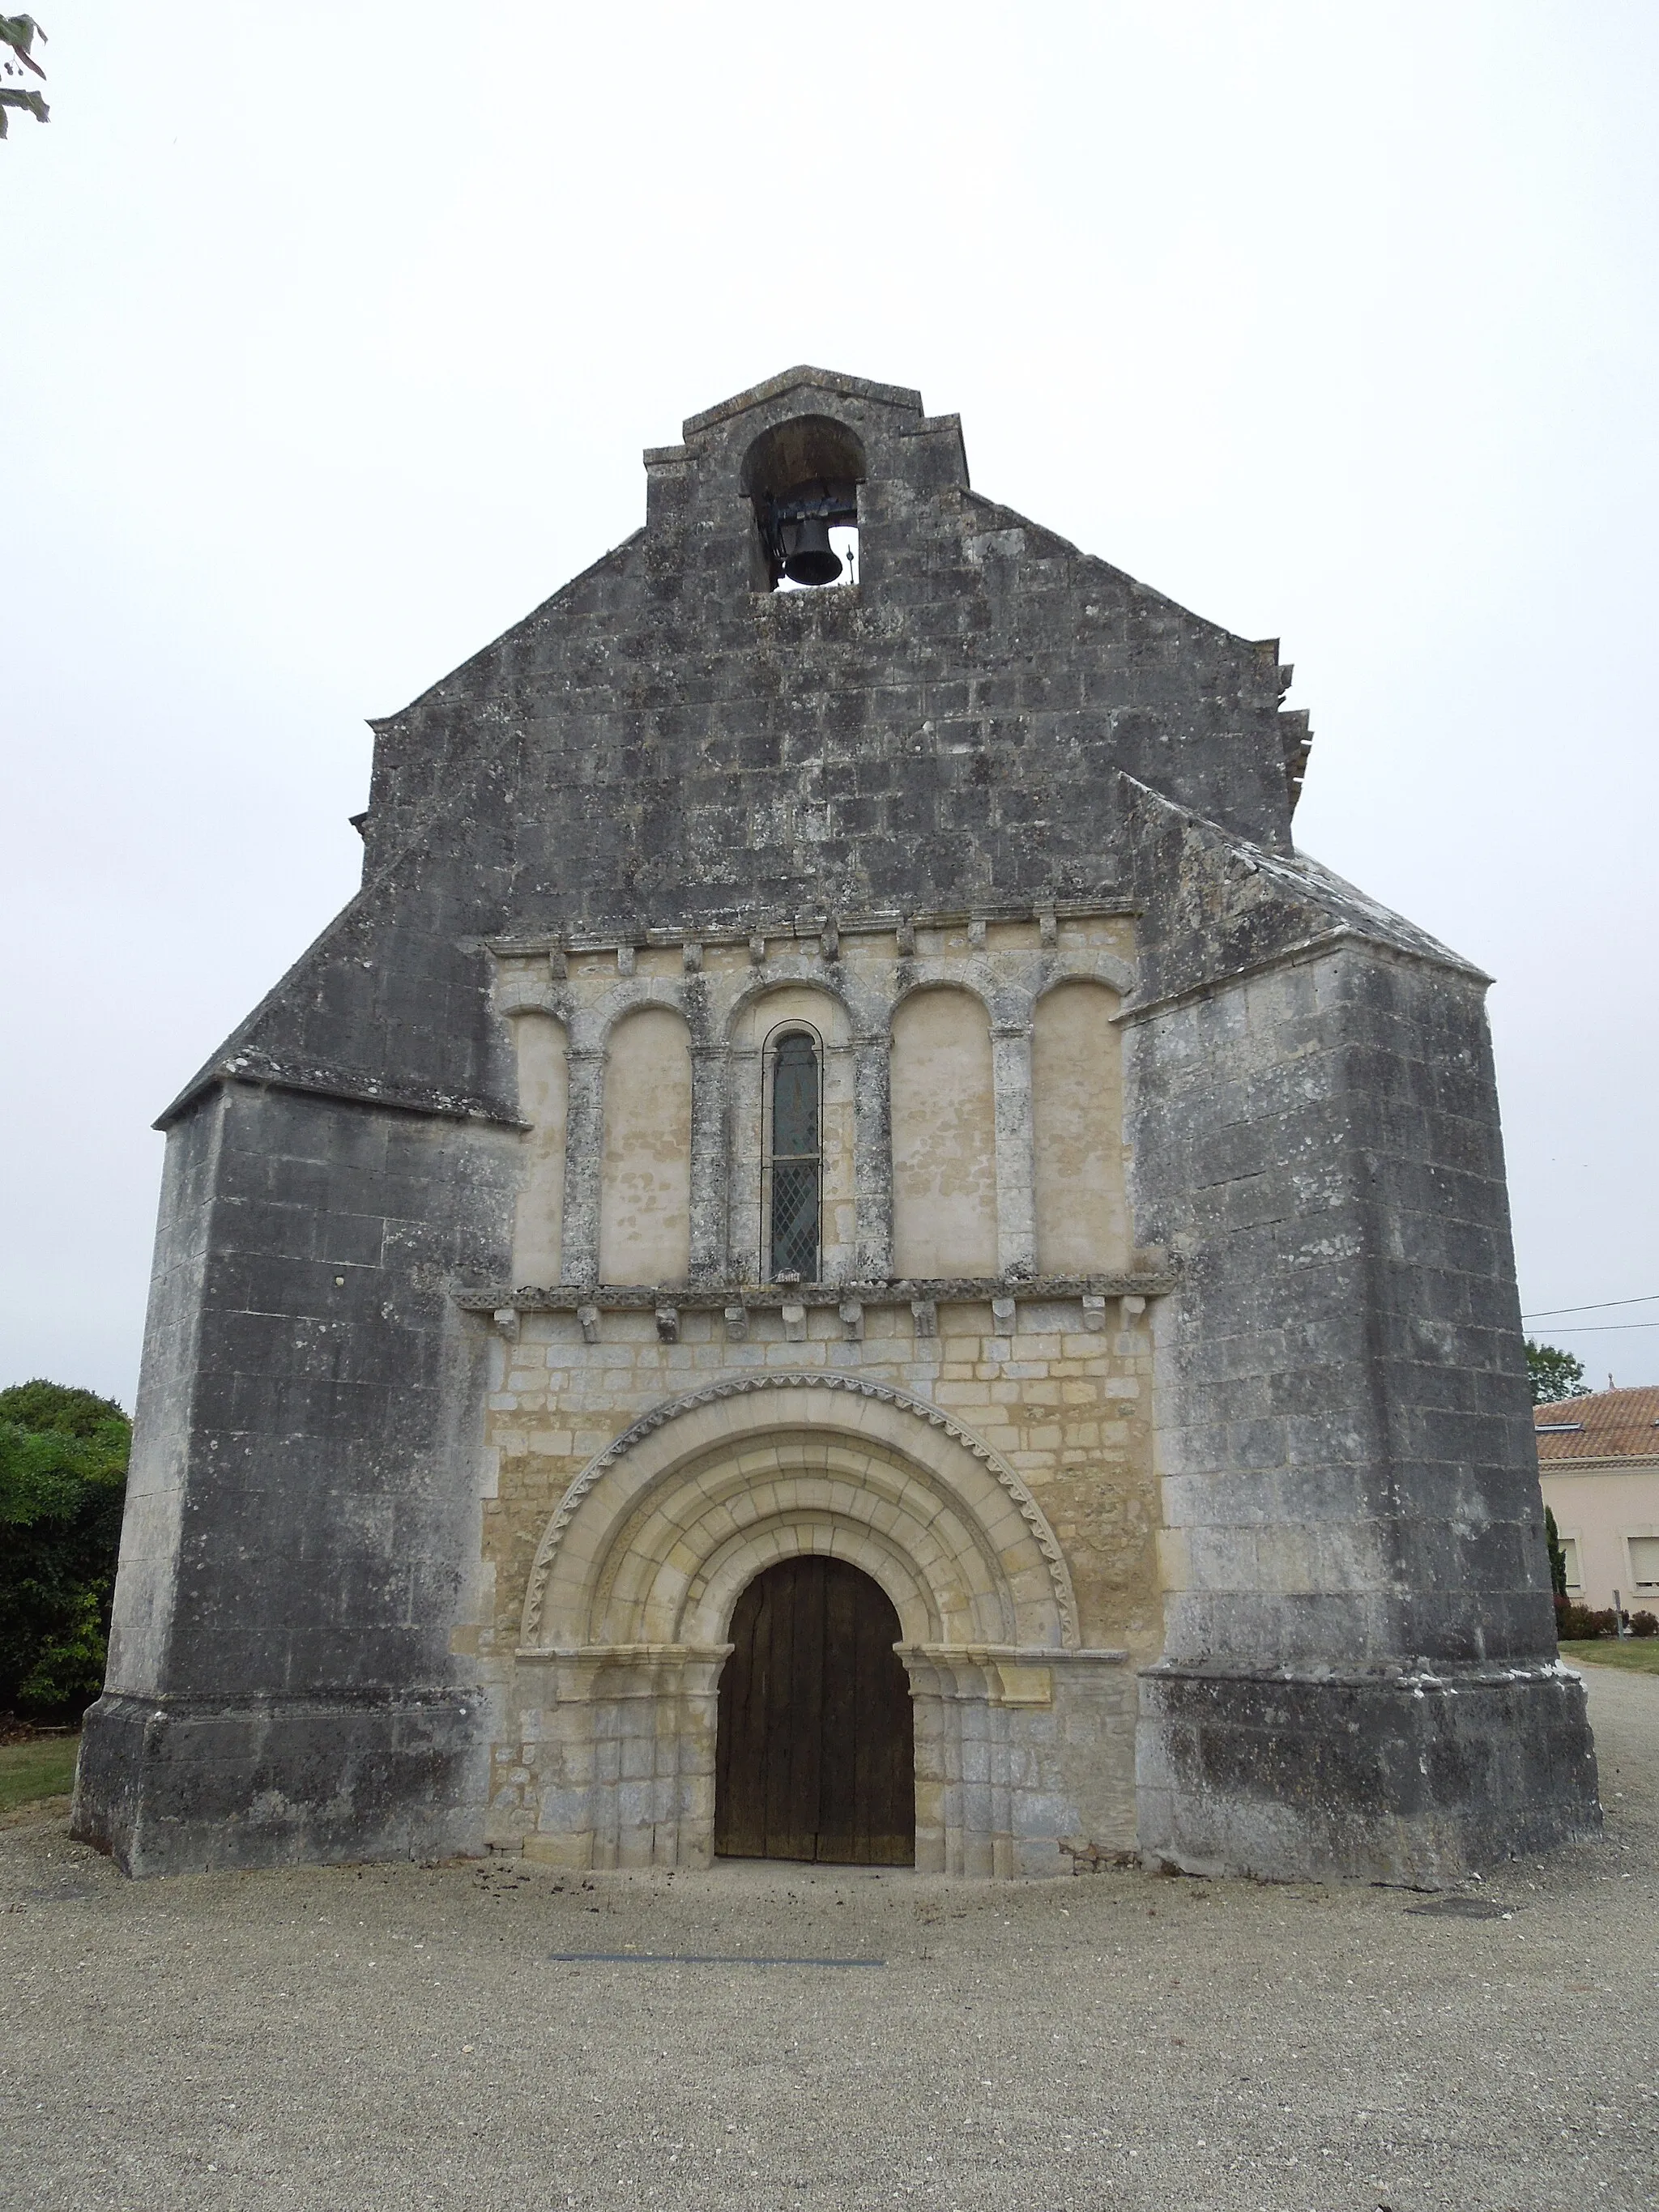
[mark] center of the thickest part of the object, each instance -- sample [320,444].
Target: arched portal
[611,1755]
[815,1743]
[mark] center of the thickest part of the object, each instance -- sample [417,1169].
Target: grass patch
[1639,1654]
[43,1767]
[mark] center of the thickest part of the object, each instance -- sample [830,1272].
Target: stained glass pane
[795,1101]
[795,1220]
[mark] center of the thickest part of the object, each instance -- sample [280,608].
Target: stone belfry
[844,1253]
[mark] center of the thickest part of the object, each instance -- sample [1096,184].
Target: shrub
[1578,1624]
[1557,1557]
[63,1483]
[1644,1623]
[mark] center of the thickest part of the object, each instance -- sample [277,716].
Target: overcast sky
[332,335]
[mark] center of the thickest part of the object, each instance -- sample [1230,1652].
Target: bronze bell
[808,556]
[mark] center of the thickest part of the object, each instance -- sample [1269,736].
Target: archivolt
[655,1538]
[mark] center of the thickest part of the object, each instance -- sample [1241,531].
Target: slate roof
[1611,1424]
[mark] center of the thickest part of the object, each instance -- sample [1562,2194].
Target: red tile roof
[1607,1424]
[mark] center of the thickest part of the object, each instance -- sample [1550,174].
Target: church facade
[844,1254]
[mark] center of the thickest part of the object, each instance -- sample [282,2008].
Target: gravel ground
[409,2037]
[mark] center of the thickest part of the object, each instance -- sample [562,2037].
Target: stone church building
[843,1254]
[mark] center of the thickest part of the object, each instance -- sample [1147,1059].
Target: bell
[808,556]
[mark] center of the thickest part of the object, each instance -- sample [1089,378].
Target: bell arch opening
[815,1734]
[802,479]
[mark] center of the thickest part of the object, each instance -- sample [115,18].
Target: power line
[1548,1313]
[1603,1327]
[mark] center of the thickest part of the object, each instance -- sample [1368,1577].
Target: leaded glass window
[796,1159]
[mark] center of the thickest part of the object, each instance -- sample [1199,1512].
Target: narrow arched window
[794,1160]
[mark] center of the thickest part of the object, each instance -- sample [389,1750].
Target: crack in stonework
[854,1386]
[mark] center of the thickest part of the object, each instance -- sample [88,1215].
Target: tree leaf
[17,32]
[36,106]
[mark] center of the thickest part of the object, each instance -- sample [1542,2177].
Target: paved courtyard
[354,2039]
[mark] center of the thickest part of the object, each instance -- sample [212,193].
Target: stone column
[1011,1073]
[583,1149]
[932,1759]
[872,1158]
[694,1747]
[973,1847]
[709,1167]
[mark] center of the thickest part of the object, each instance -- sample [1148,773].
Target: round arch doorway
[815,1749]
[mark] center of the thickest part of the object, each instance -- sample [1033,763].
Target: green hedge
[63,1482]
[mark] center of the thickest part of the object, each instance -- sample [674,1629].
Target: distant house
[1599,1460]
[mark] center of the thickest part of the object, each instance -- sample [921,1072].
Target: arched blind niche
[645,1199]
[944,1165]
[793,1194]
[1077,1085]
[543,1095]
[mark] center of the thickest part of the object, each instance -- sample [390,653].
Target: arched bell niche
[802,479]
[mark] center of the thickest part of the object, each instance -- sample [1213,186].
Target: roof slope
[1606,1424]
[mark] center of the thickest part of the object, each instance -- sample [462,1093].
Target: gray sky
[327,355]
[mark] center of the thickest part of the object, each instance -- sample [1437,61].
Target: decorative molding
[731,929]
[718,1297]
[852,1386]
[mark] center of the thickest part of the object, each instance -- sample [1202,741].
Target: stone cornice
[806,928]
[760,1297]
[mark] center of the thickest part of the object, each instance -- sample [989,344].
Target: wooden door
[815,1758]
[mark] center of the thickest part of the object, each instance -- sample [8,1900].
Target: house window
[1643,1562]
[1570,1553]
[795,1158]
